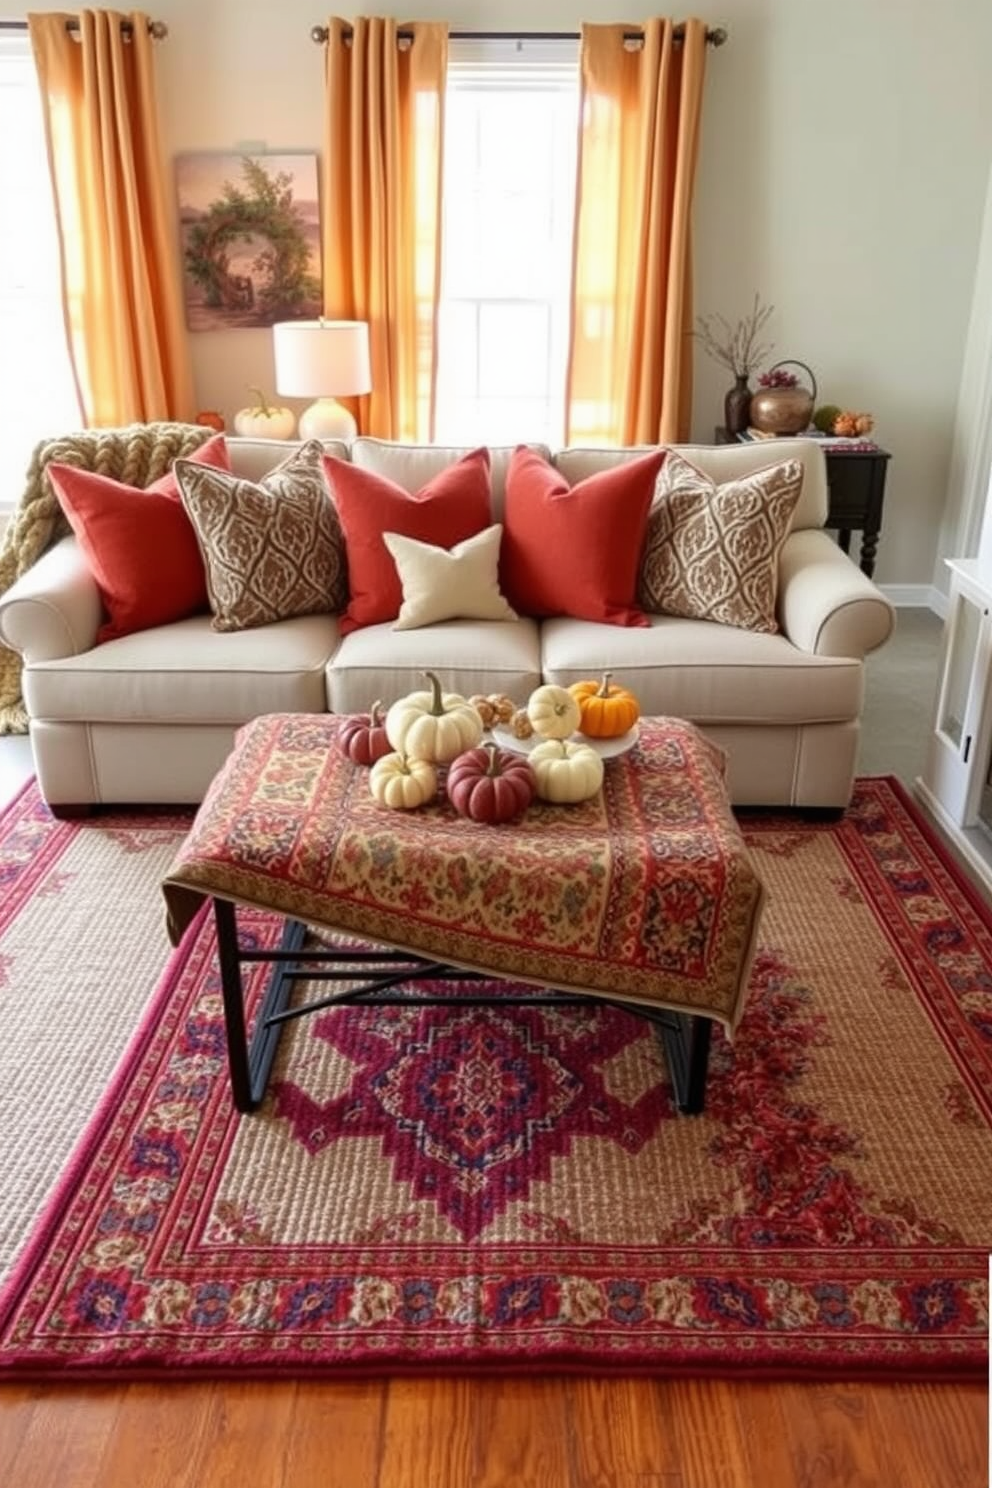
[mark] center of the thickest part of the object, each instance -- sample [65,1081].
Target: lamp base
[327,419]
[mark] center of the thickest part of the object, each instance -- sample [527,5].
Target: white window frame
[37,388]
[466,412]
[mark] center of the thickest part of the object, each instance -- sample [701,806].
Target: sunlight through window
[511,127]
[37,392]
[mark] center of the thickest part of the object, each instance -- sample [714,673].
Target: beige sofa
[148,718]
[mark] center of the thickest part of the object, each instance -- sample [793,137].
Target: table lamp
[322,359]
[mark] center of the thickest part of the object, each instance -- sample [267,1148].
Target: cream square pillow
[711,552]
[460,583]
[272,548]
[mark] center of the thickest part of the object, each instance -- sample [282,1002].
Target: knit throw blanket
[136,455]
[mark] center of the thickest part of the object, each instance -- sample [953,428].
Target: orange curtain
[381,192]
[120,280]
[630,361]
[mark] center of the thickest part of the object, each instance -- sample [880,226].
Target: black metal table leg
[250,1062]
[686,1038]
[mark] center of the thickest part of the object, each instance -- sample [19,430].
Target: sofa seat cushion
[469,656]
[189,673]
[707,673]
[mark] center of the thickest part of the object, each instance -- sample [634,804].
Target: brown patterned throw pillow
[271,549]
[711,552]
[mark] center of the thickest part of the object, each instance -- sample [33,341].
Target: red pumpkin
[489,784]
[362,738]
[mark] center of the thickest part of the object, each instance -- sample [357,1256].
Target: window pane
[37,391]
[509,186]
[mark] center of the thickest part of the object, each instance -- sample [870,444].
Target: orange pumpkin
[605,711]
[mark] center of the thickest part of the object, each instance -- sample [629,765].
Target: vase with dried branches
[740,348]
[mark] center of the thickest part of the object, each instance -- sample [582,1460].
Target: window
[37,390]
[511,129]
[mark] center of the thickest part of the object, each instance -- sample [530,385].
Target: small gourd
[566,772]
[264,420]
[484,708]
[490,784]
[362,738]
[606,710]
[402,784]
[433,725]
[553,712]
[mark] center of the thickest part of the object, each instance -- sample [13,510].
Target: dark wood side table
[856,481]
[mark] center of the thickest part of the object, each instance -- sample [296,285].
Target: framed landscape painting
[250,227]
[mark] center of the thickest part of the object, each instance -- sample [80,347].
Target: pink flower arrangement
[777,378]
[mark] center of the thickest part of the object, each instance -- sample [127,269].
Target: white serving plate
[605,748]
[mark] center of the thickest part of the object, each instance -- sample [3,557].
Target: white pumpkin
[264,421]
[433,725]
[553,712]
[402,783]
[566,772]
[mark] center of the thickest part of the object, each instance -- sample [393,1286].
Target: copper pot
[784,410]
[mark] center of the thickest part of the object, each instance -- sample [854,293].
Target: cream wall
[844,158]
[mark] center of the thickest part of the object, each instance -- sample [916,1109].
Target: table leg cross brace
[686,1037]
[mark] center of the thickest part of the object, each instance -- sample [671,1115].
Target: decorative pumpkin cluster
[426,730]
[853,425]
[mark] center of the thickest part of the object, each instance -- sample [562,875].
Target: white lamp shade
[321,358]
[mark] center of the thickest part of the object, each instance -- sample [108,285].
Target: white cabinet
[956,780]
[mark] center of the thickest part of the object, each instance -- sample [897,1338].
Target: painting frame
[249,226]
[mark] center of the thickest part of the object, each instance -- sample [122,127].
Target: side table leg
[869,547]
[250,1063]
[687,1047]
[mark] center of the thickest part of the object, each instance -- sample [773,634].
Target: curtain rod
[156,29]
[715,36]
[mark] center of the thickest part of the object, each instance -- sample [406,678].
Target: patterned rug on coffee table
[511,1188]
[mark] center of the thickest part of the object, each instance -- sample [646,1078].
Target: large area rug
[507,1188]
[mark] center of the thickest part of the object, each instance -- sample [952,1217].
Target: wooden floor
[510,1433]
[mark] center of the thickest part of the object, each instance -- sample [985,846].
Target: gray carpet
[900,686]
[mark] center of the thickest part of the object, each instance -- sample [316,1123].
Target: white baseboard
[916,597]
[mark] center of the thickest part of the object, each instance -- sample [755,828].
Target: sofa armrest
[826,605]
[53,609]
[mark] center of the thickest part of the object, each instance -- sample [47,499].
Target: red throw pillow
[453,506]
[576,550]
[139,543]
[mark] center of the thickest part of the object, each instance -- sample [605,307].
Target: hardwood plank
[769,1456]
[428,1434]
[931,1436]
[623,1432]
[522,1433]
[63,1433]
[335,1434]
[711,1445]
[827,1430]
[244,1435]
[160,1435]
[432,1433]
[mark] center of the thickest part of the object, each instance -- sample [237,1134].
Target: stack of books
[830,441]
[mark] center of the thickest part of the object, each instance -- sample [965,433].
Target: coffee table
[644,896]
